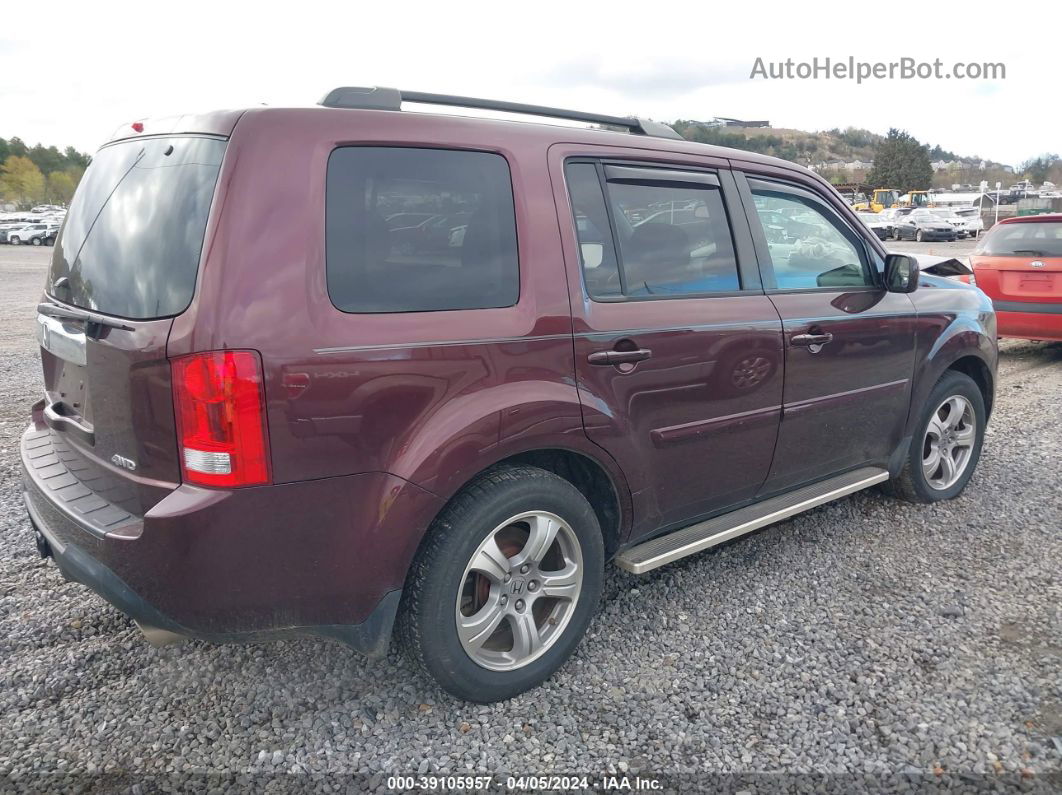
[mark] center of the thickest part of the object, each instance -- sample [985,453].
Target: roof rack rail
[378,98]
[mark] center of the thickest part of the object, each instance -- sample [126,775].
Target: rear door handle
[619,357]
[811,339]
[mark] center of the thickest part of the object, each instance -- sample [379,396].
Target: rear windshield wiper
[1032,252]
[72,313]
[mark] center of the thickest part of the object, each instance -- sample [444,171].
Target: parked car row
[38,227]
[924,223]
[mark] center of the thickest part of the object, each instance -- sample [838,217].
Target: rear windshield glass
[132,239]
[419,230]
[1024,239]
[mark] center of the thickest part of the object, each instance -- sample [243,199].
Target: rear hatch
[1021,262]
[125,263]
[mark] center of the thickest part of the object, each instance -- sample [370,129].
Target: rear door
[123,265]
[849,344]
[677,349]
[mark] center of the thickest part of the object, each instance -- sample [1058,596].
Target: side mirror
[901,273]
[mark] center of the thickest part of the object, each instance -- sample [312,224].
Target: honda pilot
[356,371]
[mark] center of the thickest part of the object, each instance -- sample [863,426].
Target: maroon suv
[322,370]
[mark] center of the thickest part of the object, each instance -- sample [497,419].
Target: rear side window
[134,233]
[671,229]
[1023,239]
[419,230]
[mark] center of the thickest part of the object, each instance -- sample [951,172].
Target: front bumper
[939,235]
[324,557]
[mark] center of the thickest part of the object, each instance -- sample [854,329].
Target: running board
[690,540]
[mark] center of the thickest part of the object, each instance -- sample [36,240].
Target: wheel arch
[981,374]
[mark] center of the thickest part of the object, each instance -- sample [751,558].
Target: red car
[1018,264]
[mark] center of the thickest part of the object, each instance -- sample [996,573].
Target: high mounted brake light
[220,404]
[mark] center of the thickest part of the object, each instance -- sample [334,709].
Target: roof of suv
[223,122]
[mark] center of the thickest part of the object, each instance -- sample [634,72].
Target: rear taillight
[220,404]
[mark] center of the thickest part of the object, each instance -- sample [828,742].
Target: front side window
[808,245]
[418,230]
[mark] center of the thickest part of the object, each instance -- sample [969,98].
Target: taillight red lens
[220,404]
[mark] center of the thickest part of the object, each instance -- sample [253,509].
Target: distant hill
[836,154]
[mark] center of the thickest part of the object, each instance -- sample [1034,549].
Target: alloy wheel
[519,591]
[949,441]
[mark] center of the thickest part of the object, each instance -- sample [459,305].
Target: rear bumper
[325,557]
[1029,321]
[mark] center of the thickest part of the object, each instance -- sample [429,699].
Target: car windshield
[1023,239]
[923,215]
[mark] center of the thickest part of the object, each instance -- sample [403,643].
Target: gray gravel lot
[866,638]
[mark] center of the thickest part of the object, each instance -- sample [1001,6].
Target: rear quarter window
[419,230]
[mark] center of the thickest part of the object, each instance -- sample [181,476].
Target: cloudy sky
[99,63]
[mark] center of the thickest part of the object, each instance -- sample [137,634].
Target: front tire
[946,445]
[504,585]
[36,241]
[919,236]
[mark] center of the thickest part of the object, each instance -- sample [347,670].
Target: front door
[678,351]
[849,344]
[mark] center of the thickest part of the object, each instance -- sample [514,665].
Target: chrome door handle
[811,339]
[619,357]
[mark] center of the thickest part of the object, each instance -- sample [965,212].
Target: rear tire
[14,241]
[520,623]
[951,428]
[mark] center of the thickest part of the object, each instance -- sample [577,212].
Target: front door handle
[811,339]
[619,357]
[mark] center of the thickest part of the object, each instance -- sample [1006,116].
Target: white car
[951,217]
[972,222]
[42,234]
[876,224]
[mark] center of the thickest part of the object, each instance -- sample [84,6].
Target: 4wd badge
[123,462]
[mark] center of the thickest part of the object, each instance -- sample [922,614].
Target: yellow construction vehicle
[883,198]
[916,198]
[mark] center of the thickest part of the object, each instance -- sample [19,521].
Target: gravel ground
[868,638]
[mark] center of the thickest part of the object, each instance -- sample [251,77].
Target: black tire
[911,484]
[14,241]
[427,627]
[918,236]
[36,241]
